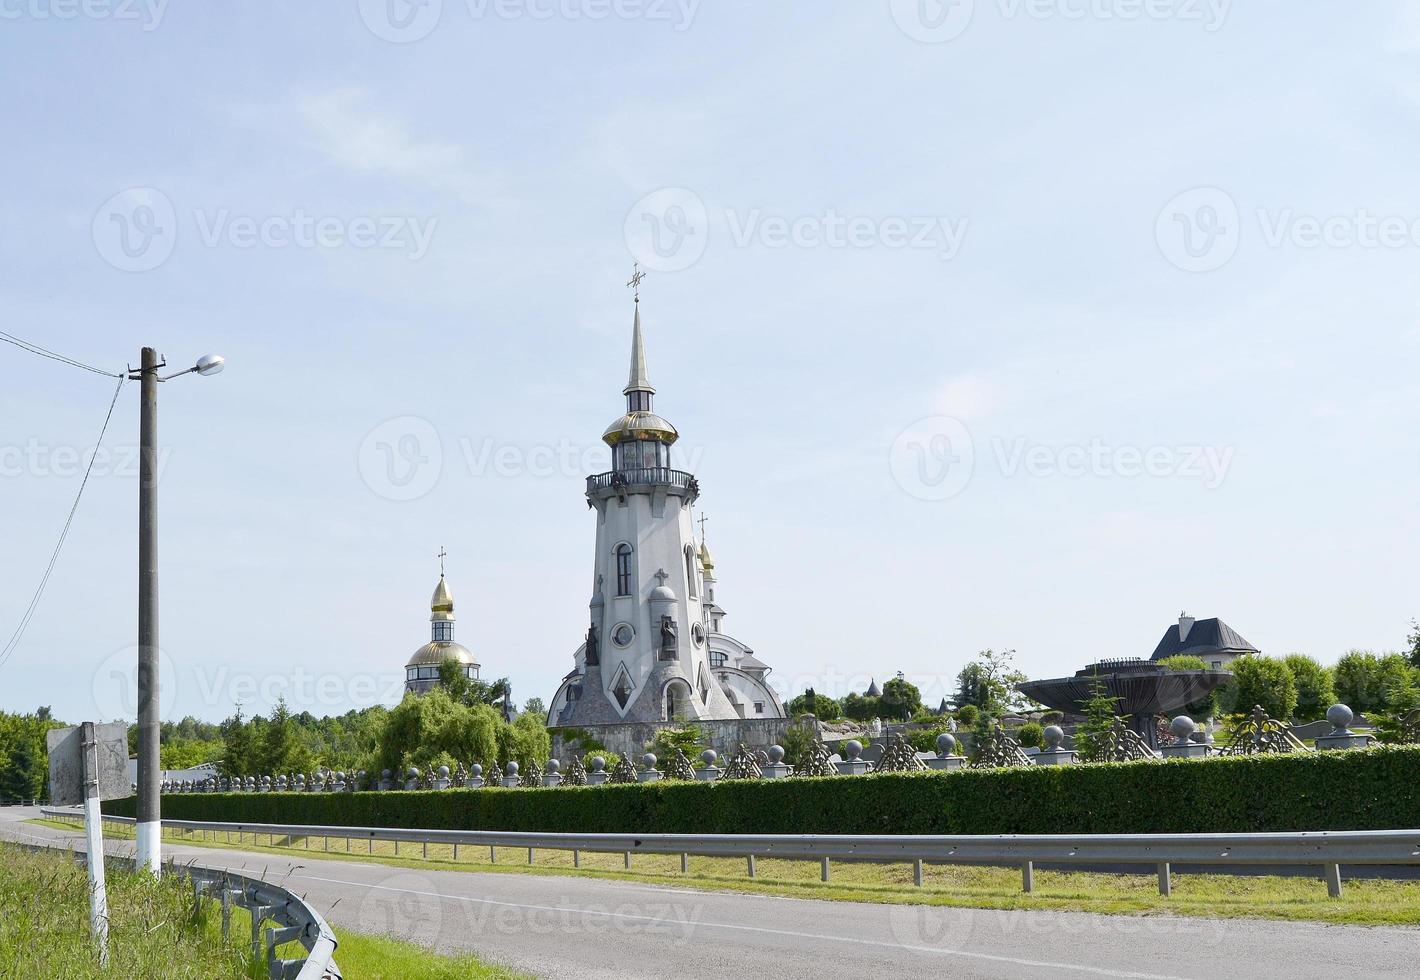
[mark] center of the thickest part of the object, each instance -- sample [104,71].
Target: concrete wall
[723,736]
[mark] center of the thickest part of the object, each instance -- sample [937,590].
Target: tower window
[443,632]
[759,707]
[690,571]
[717,658]
[623,569]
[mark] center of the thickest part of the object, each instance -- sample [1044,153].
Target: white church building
[655,653]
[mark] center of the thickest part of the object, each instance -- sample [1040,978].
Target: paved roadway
[590,929]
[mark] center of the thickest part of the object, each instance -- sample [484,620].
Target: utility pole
[150,834]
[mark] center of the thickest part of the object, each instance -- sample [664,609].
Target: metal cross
[636,276]
[701,522]
[442,555]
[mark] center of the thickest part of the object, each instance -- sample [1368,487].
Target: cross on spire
[701,522]
[442,555]
[636,276]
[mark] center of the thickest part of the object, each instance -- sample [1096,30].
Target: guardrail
[296,919]
[1328,850]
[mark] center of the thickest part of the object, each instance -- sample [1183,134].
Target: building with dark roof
[1211,640]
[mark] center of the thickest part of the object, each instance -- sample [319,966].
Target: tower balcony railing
[641,477]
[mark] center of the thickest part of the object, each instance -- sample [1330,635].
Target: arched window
[677,701]
[718,658]
[690,572]
[623,569]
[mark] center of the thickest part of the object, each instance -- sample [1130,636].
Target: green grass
[153,931]
[1363,902]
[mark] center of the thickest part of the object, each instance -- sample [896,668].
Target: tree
[798,740]
[1414,640]
[237,756]
[534,706]
[821,706]
[1204,707]
[1356,679]
[989,682]
[468,690]
[1315,693]
[24,774]
[862,707]
[901,699]
[1099,720]
[432,729]
[281,749]
[1259,680]
[525,740]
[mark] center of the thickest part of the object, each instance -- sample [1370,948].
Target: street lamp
[149,806]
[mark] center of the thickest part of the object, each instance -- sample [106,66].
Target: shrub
[1031,735]
[967,715]
[1314,687]
[1357,681]
[925,739]
[821,706]
[1292,792]
[1052,718]
[1264,681]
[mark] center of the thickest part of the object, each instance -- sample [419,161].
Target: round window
[697,633]
[623,634]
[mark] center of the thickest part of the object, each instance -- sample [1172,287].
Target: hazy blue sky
[1014,324]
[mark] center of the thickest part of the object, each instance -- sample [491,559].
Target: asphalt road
[588,929]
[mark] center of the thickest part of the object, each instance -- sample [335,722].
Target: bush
[1314,687]
[1031,735]
[1292,792]
[967,715]
[822,707]
[1259,680]
[1052,718]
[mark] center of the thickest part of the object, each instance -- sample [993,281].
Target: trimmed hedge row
[1378,789]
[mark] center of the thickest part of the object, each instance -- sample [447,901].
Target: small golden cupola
[421,671]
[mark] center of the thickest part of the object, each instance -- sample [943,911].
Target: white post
[94,839]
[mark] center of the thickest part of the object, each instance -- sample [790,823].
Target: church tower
[421,672]
[653,651]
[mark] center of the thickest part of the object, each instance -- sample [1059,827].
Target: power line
[10,338]
[53,558]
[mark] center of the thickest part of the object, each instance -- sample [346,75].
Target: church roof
[638,380]
[750,662]
[640,425]
[1205,636]
[873,690]
[433,654]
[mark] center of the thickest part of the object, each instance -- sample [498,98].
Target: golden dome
[442,602]
[706,562]
[640,425]
[433,654]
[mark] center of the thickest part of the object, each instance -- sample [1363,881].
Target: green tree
[901,699]
[237,750]
[989,682]
[967,715]
[687,739]
[798,739]
[281,749]
[467,690]
[525,740]
[24,773]
[1315,693]
[429,729]
[1259,680]
[1031,735]
[1204,707]
[1099,719]
[1357,681]
[821,706]
[534,706]
[862,707]
[1414,640]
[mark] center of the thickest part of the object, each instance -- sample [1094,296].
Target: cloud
[365,142]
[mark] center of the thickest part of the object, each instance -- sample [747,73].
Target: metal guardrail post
[1333,880]
[916,871]
[823,870]
[750,861]
[1028,877]
[1165,879]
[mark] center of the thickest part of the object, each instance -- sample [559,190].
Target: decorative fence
[296,921]
[1256,734]
[1221,853]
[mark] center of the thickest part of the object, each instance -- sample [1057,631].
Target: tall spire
[638,380]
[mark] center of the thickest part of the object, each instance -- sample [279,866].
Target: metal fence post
[684,863]
[916,872]
[576,859]
[1333,880]
[823,870]
[1028,877]
[1165,879]
[750,863]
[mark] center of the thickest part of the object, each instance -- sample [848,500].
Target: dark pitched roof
[1205,637]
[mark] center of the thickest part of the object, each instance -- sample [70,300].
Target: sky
[1018,324]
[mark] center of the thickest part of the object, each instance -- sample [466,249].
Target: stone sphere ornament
[598,764]
[648,761]
[1054,736]
[512,769]
[1340,716]
[553,766]
[443,772]
[853,749]
[946,744]
[708,757]
[476,770]
[776,754]
[1183,728]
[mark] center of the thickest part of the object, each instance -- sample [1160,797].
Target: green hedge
[1373,790]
